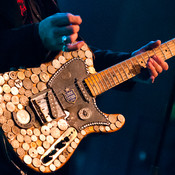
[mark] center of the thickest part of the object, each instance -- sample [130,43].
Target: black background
[126,25]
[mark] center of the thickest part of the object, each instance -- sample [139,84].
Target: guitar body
[45,112]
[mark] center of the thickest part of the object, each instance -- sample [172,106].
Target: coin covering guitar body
[45,112]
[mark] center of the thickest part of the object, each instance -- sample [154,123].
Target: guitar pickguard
[71,96]
[45,112]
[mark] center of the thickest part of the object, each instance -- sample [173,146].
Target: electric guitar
[46,111]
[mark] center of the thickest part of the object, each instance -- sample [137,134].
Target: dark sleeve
[106,58]
[21,47]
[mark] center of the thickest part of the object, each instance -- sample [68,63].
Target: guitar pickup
[46,106]
[82,90]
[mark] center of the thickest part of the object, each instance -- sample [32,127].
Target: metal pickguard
[67,85]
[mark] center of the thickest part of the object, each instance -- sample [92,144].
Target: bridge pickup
[57,148]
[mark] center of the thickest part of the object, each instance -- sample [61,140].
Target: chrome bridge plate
[57,148]
[46,106]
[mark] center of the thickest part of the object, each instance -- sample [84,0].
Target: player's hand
[155,64]
[60,32]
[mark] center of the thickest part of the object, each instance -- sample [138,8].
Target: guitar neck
[119,73]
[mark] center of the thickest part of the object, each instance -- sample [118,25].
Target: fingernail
[152,79]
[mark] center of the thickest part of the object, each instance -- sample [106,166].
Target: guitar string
[158,51]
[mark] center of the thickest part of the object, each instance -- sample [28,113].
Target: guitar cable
[12,162]
[8,156]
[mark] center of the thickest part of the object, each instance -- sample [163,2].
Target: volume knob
[85,113]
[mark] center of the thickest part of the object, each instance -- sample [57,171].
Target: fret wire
[172,44]
[159,52]
[128,67]
[111,76]
[91,85]
[125,72]
[173,41]
[94,84]
[120,73]
[148,54]
[101,82]
[169,49]
[97,83]
[163,52]
[104,81]
[108,78]
[143,58]
[137,61]
[154,51]
[164,49]
[115,75]
[133,65]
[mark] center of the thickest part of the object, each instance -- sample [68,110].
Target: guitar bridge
[46,106]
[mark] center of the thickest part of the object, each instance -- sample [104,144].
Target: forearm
[106,58]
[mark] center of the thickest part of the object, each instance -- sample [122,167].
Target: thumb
[152,45]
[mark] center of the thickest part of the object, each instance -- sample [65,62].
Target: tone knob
[85,113]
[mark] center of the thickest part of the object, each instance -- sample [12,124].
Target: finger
[162,63]
[73,29]
[152,69]
[75,46]
[68,30]
[155,44]
[152,45]
[64,19]
[152,79]
[73,37]
[157,67]
[74,19]
[69,39]
[149,46]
